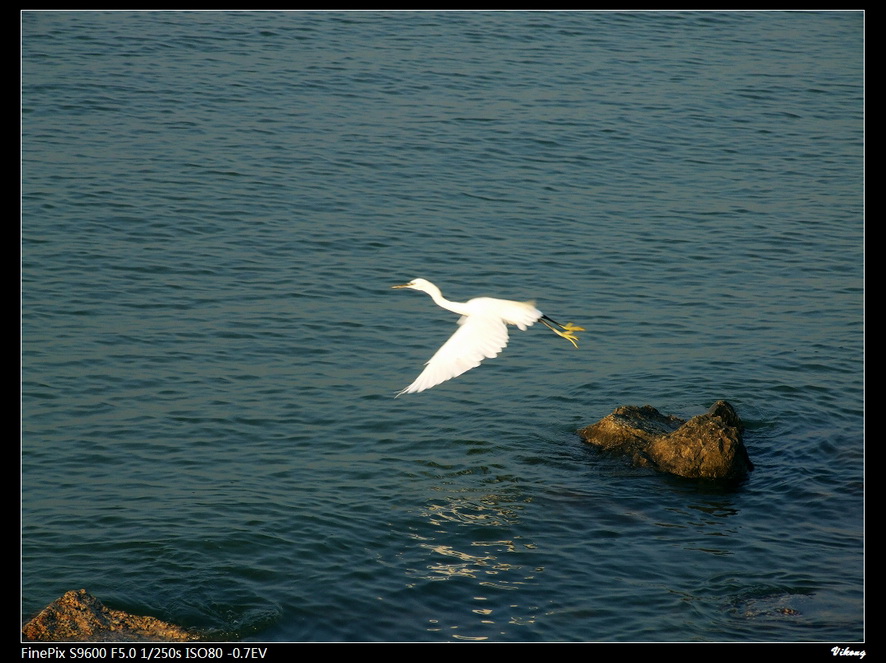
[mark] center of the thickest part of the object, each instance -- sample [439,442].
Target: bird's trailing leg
[568,332]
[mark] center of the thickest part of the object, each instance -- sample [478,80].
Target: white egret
[482,333]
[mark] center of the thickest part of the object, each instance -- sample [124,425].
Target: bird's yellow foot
[569,335]
[568,332]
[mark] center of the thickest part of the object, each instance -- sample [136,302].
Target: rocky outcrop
[77,616]
[708,446]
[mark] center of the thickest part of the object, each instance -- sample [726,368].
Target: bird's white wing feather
[478,337]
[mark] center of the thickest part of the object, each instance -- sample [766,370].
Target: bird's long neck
[441,301]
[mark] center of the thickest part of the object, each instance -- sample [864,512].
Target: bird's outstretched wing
[478,337]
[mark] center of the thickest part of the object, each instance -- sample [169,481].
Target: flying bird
[482,333]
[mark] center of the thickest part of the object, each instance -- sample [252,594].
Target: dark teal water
[214,208]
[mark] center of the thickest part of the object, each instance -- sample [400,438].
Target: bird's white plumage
[479,336]
[482,333]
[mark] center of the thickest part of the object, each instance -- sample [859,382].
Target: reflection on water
[485,559]
[492,564]
[488,512]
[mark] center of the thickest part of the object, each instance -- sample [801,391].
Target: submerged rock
[77,616]
[708,446]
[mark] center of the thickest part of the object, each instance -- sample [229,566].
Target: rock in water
[77,616]
[708,446]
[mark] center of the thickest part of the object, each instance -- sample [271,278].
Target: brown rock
[77,616]
[708,446]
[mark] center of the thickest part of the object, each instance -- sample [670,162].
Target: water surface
[215,206]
